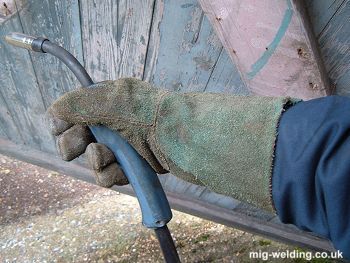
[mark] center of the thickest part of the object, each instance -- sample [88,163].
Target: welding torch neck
[25,41]
[43,45]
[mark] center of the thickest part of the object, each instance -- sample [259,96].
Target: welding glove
[222,141]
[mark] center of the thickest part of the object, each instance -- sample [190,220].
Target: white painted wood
[271,45]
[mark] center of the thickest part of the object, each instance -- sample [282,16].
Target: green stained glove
[222,141]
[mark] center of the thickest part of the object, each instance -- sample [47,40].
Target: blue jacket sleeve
[311,174]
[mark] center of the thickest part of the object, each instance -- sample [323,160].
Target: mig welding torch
[156,212]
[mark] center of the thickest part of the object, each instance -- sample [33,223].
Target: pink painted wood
[272,45]
[7,8]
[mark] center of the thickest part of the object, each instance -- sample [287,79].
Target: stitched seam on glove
[153,131]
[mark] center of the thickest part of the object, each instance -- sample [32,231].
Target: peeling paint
[186,5]
[203,62]
[142,40]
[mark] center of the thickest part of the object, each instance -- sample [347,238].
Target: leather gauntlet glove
[222,141]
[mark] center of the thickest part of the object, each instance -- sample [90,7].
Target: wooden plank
[173,184]
[188,48]
[279,232]
[273,50]
[153,41]
[8,128]
[226,78]
[179,201]
[58,20]
[115,36]
[99,35]
[321,12]
[50,18]
[334,43]
[7,9]
[22,110]
[184,50]
[176,185]
[3,133]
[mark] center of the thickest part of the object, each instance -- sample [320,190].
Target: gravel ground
[49,217]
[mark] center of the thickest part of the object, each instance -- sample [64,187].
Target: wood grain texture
[59,21]
[272,50]
[321,12]
[133,39]
[8,128]
[225,77]
[153,41]
[176,185]
[334,43]
[185,50]
[115,37]
[22,108]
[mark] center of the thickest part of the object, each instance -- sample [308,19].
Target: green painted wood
[58,20]
[334,43]
[3,133]
[22,108]
[321,12]
[117,45]
[184,50]
[115,37]
[175,185]
[225,77]
[8,128]
[153,41]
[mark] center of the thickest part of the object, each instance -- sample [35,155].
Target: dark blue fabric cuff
[311,174]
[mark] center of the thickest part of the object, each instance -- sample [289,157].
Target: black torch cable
[167,245]
[69,60]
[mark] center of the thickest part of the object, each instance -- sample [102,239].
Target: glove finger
[102,161]
[99,156]
[110,175]
[56,125]
[127,106]
[73,142]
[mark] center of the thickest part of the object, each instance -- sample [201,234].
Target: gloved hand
[73,140]
[222,141]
